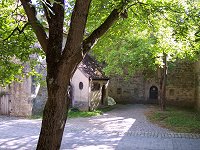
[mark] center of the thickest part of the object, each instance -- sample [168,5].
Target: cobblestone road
[123,128]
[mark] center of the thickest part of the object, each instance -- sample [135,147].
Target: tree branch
[77,28]
[45,5]
[15,10]
[102,29]
[17,29]
[55,22]
[34,22]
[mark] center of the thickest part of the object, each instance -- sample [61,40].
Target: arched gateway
[153,94]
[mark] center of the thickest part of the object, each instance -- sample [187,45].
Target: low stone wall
[127,91]
[180,88]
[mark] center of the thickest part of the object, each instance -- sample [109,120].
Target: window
[80,85]
[171,92]
[95,86]
[119,90]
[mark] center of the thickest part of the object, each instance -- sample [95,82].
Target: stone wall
[180,88]
[197,92]
[183,89]
[181,85]
[20,98]
[127,91]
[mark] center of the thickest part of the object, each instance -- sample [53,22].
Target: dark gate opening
[103,94]
[153,94]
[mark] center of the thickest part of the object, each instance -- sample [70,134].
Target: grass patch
[176,119]
[75,113]
[83,114]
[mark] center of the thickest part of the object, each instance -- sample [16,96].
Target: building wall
[84,99]
[80,97]
[197,92]
[127,91]
[180,88]
[181,85]
[183,89]
[98,96]
[19,100]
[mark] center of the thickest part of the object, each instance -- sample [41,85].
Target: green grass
[176,119]
[83,114]
[80,114]
[73,114]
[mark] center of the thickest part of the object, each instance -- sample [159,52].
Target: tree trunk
[163,93]
[53,123]
[54,115]
[62,63]
[163,81]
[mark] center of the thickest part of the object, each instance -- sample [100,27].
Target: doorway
[153,94]
[103,95]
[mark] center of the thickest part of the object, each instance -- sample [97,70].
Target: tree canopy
[139,31]
[17,44]
[137,41]
[153,27]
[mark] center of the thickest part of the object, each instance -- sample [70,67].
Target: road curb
[163,135]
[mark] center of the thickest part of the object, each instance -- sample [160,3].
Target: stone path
[123,128]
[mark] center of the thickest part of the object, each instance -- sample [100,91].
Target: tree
[62,62]
[82,34]
[16,44]
[166,35]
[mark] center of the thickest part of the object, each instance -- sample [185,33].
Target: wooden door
[4,105]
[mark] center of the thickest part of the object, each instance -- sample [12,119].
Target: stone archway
[153,94]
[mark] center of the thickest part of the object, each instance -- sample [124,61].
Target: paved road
[123,128]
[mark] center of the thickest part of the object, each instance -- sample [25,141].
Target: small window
[95,86]
[171,92]
[80,85]
[119,90]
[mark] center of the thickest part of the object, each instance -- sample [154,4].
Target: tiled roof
[91,69]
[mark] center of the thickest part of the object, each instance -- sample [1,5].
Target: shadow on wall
[96,99]
[39,101]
